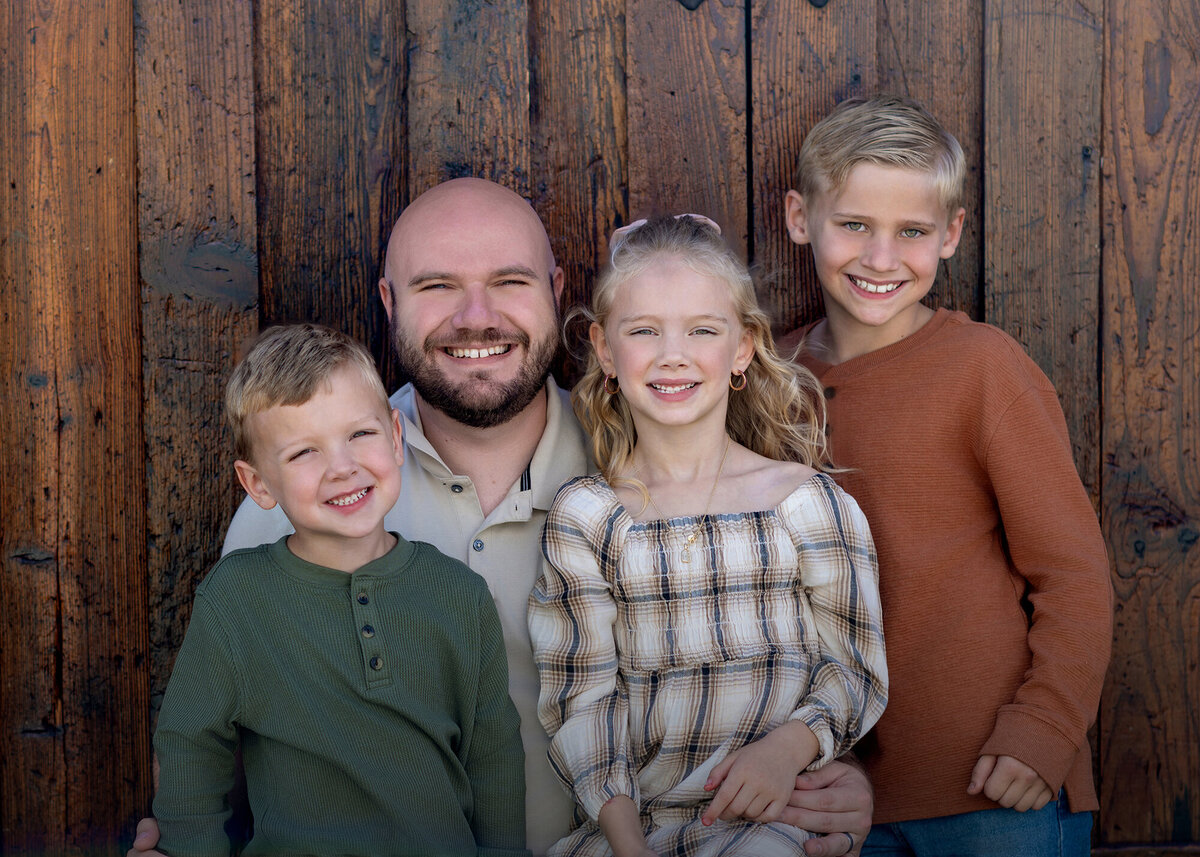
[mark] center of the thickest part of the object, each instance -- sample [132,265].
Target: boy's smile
[877,243]
[333,464]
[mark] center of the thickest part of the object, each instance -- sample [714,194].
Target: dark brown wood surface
[73,637]
[172,185]
[1042,198]
[1150,402]
[199,272]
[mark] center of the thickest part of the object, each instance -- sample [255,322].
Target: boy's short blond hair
[886,130]
[284,367]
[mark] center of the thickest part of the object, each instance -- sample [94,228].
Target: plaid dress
[653,670]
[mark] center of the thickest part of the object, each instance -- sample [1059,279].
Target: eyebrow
[642,319]
[508,271]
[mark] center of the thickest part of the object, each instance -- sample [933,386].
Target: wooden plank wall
[176,174]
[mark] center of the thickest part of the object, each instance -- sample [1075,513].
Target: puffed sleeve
[583,704]
[840,577]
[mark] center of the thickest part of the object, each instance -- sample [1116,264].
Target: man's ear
[558,281]
[385,295]
[795,214]
[600,343]
[254,484]
[397,438]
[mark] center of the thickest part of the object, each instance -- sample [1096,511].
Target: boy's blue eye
[362,433]
[299,454]
[855,226]
[912,232]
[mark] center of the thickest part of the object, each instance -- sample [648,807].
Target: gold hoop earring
[739,374]
[616,388]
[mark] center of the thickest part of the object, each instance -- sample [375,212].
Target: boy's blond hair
[284,367]
[779,413]
[886,130]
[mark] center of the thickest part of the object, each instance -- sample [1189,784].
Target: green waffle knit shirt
[372,710]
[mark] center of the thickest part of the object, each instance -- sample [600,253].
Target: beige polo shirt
[438,507]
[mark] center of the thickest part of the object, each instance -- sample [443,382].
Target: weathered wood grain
[804,60]
[579,135]
[1042,144]
[468,93]
[330,151]
[1150,719]
[933,52]
[199,270]
[73,668]
[688,112]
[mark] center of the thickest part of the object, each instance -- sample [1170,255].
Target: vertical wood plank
[199,270]
[73,592]
[804,60]
[932,51]
[1042,191]
[330,145]
[688,120]
[468,93]
[1150,734]
[578,132]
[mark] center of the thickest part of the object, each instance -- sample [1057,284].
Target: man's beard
[484,403]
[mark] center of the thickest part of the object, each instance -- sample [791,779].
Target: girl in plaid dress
[707,622]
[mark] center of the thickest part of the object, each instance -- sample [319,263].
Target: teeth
[476,353]
[875,288]
[351,499]
[662,388]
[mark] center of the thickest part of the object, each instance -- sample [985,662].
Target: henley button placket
[369,645]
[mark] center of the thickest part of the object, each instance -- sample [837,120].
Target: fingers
[721,800]
[717,775]
[979,775]
[832,845]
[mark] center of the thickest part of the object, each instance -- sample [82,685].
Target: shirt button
[376,663]
[830,392]
[457,489]
[362,598]
[477,544]
[368,631]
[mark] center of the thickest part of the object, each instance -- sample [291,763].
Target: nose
[476,309]
[342,463]
[881,254]
[672,350]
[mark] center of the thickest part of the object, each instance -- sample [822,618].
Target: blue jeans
[1051,831]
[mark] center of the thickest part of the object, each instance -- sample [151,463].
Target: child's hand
[756,781]
[1010,783]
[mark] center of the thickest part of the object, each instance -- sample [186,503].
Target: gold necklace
[686,556]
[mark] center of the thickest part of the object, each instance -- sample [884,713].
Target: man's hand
[145,840]
[836,800]
[1010,783]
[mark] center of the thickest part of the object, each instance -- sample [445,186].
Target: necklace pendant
[686,556]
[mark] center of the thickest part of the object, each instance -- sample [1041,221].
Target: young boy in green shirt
[363,675]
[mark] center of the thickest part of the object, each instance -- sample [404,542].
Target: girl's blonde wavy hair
[781,412]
